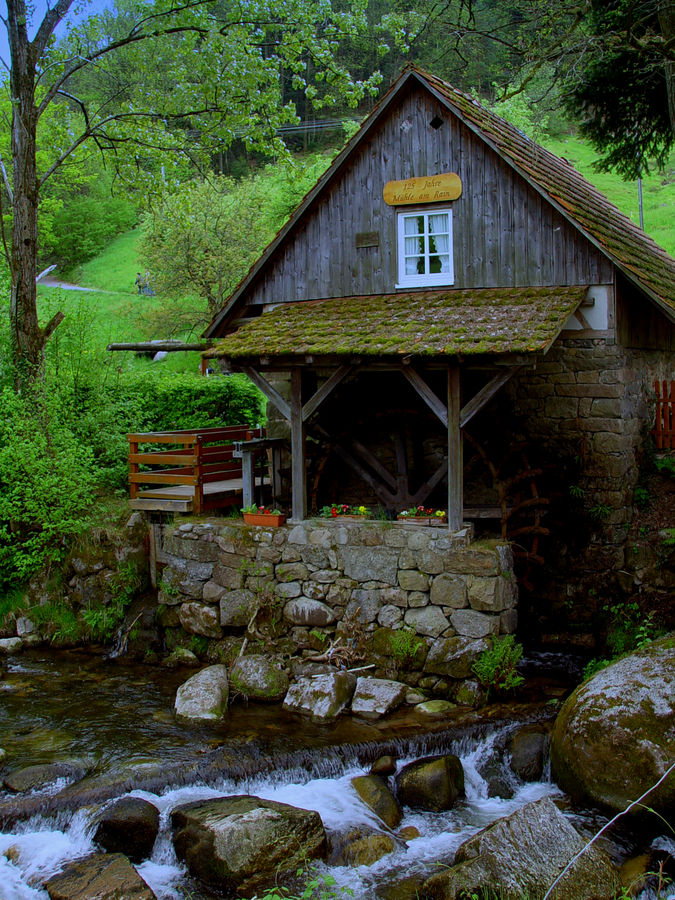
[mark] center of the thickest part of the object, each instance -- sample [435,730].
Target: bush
[46,483]
[496,668]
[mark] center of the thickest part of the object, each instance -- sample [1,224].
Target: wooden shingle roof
[630,249]
[452,322]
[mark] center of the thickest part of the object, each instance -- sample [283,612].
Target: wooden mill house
[449,302]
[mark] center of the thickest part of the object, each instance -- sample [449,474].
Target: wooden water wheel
[521,505]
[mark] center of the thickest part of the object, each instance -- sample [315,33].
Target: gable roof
[642,261]
[451,322]
[639,257]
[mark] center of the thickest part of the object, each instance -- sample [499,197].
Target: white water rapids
[39,847]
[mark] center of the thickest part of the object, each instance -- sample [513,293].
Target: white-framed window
[425,248]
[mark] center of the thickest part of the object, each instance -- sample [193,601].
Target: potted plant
[422,515]
[344,511]
[263,515]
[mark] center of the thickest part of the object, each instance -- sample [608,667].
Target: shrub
[496,668]
[46,482]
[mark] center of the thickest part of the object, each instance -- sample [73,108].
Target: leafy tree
[623,88]
[222,66]
[203,238]
[613,61]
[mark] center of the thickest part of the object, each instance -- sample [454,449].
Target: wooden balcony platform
[199,470]
[181,497]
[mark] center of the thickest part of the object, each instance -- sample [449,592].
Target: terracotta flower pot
[271,520]
[423,520]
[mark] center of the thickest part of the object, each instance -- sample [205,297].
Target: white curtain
[414,244]
[439,229]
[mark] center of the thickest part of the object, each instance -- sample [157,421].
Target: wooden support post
[298,484]
[133,469]
[248,478]
[455,473]
[198,501]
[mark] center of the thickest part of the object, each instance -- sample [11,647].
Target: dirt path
[48,281]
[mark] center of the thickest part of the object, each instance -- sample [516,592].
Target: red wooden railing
[664,422]
[193,458]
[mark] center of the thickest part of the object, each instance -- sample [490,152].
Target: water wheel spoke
[520,477]
[533,503]
[529,529]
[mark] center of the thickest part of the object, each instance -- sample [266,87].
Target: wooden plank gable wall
[504,233]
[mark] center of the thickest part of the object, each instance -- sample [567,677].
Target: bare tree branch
[5,178]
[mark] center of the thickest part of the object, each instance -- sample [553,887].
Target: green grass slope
[658,190]
[112,311]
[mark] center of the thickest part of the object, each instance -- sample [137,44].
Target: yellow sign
[429,189]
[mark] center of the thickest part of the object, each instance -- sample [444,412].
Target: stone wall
[597,395]
[414,601]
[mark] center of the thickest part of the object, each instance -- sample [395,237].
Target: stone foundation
[414,602]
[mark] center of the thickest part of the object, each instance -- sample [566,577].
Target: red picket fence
[664,424]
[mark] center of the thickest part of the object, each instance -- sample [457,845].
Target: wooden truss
[450,413]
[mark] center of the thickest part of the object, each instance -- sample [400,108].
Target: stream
[118,717]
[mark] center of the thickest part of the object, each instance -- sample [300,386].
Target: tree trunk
[28,339]
[667,23]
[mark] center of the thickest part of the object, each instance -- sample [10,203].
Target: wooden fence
[664,422]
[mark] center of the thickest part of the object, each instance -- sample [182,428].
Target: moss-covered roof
[633,251]
[451,322]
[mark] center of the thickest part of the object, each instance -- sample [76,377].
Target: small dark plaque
[367,239]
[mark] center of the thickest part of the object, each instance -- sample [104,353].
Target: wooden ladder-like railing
[190,471]
[664,420]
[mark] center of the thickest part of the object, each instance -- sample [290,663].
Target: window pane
[414,245]
[439,264]
[414,265]
[413,224]
[438,223]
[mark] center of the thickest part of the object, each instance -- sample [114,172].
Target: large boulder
[323,697]
[615,735]
[242,844]
[454,656]
[203,697]
[528,748]
[128,826]
[31,778]
[521,856]
[258,678]
[375,794]
[434,783]
[368,849]
[375,697]
[359,845]
[105,876]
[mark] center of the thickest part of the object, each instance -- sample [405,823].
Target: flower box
[423,520]
[344,511]
[271,520]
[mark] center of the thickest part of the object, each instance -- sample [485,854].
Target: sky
[79,11]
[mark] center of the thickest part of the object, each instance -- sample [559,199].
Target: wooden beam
[423,492]
[384,495]
[455,473]
[485,394]
[271,393]
[156,346]
[425,392]
[298,475]
[374,464]
[387,498]
[324,391]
